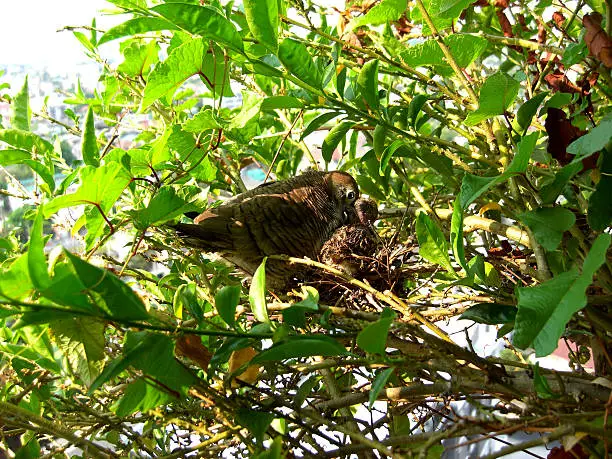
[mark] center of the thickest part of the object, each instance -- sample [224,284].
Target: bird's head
[344,190]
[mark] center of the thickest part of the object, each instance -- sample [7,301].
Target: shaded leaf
[367,82]
[496,95]
[432,243]
[37,261]
[544,310]
[527,111]
[334,137]
[297,60]
[548,225]
[226,301]
[379,384]
[301,346]
[490,313]
[136,26]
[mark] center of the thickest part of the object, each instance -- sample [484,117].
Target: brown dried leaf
[596,39]
[191,346]
[239,358]
[559,19]
[559,82]
[504,23]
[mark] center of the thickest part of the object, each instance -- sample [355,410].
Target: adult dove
[292,217]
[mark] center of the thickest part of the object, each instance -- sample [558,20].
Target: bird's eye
[350,195]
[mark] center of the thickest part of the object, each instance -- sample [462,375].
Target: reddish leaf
[191,346]
[559,19]
[504,23]
[541,32]
[561,132]
[596,39]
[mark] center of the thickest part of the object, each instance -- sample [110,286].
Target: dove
[292,217]
[350,244]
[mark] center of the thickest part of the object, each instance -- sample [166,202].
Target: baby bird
[351,244]
[293,217]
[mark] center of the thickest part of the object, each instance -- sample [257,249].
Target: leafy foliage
[482,130]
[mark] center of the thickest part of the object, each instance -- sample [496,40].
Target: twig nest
[353,245]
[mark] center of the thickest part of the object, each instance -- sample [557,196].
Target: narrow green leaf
[544,310]
[367,82]
[317,123]
[379,384]
[262,18]
[432,243]
[416,104]
[301,346]
[257,294]
[89,144]
[23,140]
[388,154]
[226,301]
[12,156]
[521,159]
[201,20]
[43,171]
[37,261]
[185,298]
[378,139]
[333,139]
[281,102]
[496,95]
[297,60]
[541,386]
[456,235]
[528,110]
[548,225]
[490,313]
[551,192]
[136,26]
[21,108]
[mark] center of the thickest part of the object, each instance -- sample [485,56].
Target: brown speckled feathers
[293,217]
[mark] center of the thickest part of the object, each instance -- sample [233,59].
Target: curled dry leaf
[239,358]
[191,346]
[596,39]
[559,19]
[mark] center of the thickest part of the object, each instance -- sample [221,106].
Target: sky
[29,32]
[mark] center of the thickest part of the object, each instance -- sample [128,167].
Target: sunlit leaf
[257,294]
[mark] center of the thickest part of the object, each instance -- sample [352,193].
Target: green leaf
[373,338]
[496,95]
[226,301]
[416,104]
[11,156]
[281,102]
[548,225]
[574,53]
[379,384]
[599,214]
[464,48]
[136,26]
[521,159]
[257,294]
[442,12]
[23,140]
[139,58]
[256,421]
[544,310]
[490,313]
[593,141]
[81,340]
[201,20]
[21,108]
[118,300]
[432,243]
[334,137]
[301,346]
[140,396]
[182,63]
[382,13]
[251,106]
[472,186]
[456,235]
[388,154]
[262,18]
[541,386]
[317,123]
[528,110]
[15,282]
[37,261]
[378,139]
[483,272]
[551,192]
[185,298]
[297,60]
[43,171]
[168,203]
[89,143]
[101,186]
[367,82]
